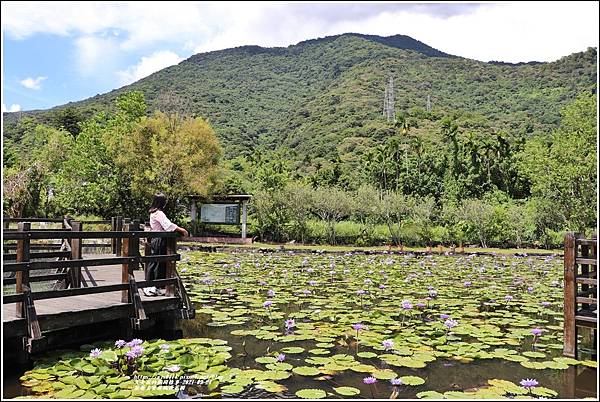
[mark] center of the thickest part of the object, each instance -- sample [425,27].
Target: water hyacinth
[95,353]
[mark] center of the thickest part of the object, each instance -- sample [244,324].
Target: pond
[349,325]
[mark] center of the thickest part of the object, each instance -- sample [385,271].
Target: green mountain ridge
[323,97]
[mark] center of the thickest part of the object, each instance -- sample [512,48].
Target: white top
[160,223]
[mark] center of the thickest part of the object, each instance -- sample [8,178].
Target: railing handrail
[58,234]
[56,220]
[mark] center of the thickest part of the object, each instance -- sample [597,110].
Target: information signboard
[220,213]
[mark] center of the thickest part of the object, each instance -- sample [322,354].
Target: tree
[395,211]
[479,216]
[331,205]
[297,201]
[563,169]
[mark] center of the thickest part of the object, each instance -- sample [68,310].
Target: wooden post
[6,223]
[130,248]
[119,241]
[570,330]
[76,254]
[171,265]
[585,271]
[244,218]
[22,277]
[113,228]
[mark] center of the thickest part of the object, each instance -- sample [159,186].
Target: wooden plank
[164,257]
[12,267]
[586,261]
[587,242]
[85,235]
[570,330]
[586,300]
[587,281]
[22,277]
[38,255]
[37,278]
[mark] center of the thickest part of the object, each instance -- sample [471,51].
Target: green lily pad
[311,394]
[347,391]
[412,380]
[306,371]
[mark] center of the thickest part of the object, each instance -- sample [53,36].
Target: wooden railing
[580,288]
[126,242]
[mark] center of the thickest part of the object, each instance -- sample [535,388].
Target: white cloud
[513,31]
[96,54]
[148,65]
[11,109]
[33,83]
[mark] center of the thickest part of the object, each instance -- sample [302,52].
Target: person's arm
[169,226]
[182,231]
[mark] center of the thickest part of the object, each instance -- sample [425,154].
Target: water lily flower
[290,323]
[173,369]
[306,292]
[406,305]
[134,342]
[120,343]
[433,294]
[529,383]
[444,316]
[271,293]
[346,271]
[369,380]
[382,286]
[421,305]
[280,357]
[312,283]
[388,344]
[467,283]
[358,326]
[135,352]
[396,381]
[165,347]
[367,281]
[530,289]
[545,304]
[508,298]
[360,292]
[537,331]
[450,323]
[95,353]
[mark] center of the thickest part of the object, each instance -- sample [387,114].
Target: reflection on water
[440,375]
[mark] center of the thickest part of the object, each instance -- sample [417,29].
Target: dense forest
[488,153]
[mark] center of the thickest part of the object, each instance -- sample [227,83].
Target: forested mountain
[323,98]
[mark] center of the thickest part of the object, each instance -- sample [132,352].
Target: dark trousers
[156,269]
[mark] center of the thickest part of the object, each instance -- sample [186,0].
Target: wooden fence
[125,244]
[580,288]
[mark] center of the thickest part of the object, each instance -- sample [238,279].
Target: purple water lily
[135,352]
[369,380]
[529,383]
[545,304]
[95,353]
[396,381]
[467,283]
[120,343]
[267,304]
[382,286]
[173,368]
[165,347]
[312,283]
[358,326]
[406,305]
[134,342]
[508,298]
[360,292]
[388,344]
[537,331]
[271,293]
[444,316]
[280,357]
[450,323]
[289,324]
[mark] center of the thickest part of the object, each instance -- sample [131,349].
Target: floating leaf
[347,391]
[311,394]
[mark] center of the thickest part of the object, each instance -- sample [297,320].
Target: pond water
[446,326]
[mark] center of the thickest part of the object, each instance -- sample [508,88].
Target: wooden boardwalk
[98,293]
[53,313]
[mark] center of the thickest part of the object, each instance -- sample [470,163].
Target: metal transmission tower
[389,102]
[428,103]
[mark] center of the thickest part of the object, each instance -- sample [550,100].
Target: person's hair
[158,203]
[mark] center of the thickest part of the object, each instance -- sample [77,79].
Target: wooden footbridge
[580,289]
[84,296]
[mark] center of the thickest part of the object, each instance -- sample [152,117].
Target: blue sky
[53,53]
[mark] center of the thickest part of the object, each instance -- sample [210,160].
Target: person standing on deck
[158,246]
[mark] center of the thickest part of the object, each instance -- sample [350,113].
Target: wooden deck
[61,312]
